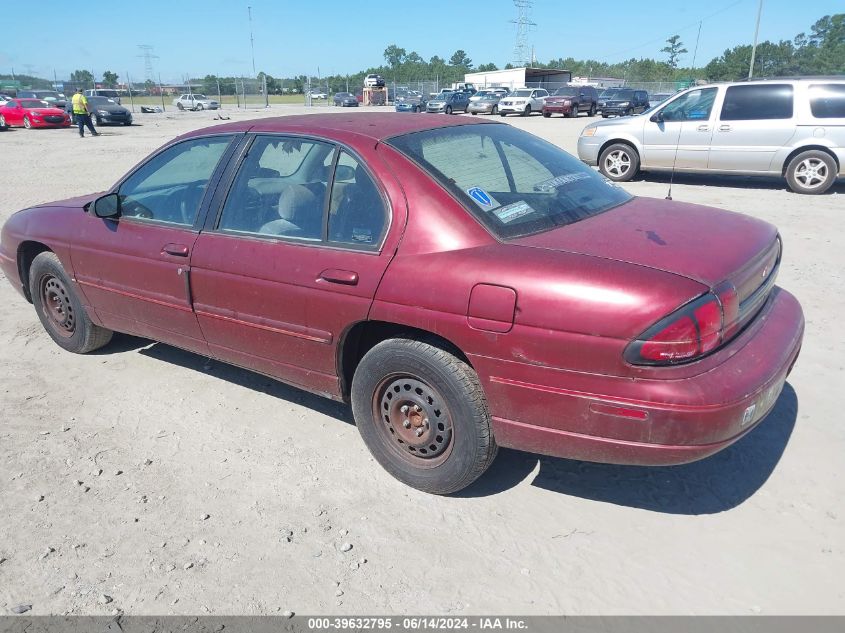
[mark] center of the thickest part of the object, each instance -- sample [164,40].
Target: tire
[127,123]
[592,111]
[502,114]
[59,310]
[438,385]
[495,111]
[546,115]
[604,116]
[619,162]
[200,106]
[179,106]
[97,121]
[527,111]
[448,109]
[573,112]
[416,109]
[26,123]
[812,172]
[2,121]
[474,113]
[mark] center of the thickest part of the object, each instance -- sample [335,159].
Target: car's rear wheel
[619,162]
[527,111]
[423,415]
[60,310]
[27,123]
[811,172]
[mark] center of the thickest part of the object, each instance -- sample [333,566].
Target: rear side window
[827,101]
[757,102]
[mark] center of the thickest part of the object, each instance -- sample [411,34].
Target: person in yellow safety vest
[82,113]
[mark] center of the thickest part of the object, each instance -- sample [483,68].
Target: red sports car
[31,113]
[464,284]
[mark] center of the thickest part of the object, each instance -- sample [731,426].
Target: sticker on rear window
[513,211]
[548,186]
[482,198]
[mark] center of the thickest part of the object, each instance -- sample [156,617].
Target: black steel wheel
[59,309]
[423,415]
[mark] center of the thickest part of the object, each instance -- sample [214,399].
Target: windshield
[513,182]
[565,92]
[440,97]
[200,97]
[46,94]
[521,93]
[607,94]
[624,95]
[101,101]
[33,103]
[491,97]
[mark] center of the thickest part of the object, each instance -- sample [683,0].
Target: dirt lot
[173,484]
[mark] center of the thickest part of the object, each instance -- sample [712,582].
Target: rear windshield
[515,183]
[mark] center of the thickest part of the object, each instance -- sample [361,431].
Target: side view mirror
[657,117]
[107,206]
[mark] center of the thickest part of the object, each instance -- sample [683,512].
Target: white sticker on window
[513,211]
[549,186]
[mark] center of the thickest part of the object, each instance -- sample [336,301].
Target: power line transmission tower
[148,56]
[521,50]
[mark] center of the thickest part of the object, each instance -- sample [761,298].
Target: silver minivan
[791,128]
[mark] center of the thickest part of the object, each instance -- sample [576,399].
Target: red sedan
[31,113]
[464,284]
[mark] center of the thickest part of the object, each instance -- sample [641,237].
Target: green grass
[252,101]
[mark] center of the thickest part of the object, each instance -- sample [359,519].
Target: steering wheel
[135,209]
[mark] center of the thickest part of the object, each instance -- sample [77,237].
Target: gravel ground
[147,480]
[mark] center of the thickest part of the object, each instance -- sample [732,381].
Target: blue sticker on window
[480,196]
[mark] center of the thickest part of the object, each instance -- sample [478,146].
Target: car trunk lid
[707,245]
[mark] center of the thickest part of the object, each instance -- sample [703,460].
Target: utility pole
[251,43]
[756,33]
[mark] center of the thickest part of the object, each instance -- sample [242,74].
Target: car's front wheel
[448,109]
[2,121]
[200,106]
[60,310]
[495,110]
[27,123]
[619,162]
[179,106]
[423,415]
[811,172]
[592,111]
[527,111]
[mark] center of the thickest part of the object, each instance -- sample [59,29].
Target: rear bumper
[647,421]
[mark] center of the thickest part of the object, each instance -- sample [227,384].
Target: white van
[791,128]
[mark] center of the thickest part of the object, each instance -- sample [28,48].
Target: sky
[194,38]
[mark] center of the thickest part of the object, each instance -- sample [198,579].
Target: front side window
[757,102]
[694,105]
[280,189]
[513,182]
[170,186]
[827,101]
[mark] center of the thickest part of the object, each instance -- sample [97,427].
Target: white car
[195,102]
[319,95]
[523,101]
[373,81]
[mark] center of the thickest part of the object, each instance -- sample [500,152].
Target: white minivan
[792,128]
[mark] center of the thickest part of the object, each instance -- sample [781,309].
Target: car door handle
[177,250]
[703,128]
[337,276]
[724,128]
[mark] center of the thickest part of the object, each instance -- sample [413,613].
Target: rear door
[755,121]
[135,271]
[679,133]
[295,257]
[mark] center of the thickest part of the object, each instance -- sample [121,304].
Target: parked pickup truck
[195,102]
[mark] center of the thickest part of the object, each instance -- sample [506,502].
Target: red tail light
[689,333]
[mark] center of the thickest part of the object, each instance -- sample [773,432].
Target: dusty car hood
[697,242]
[46,111]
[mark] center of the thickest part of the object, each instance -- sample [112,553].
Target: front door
[681,136]
[293,261]
[135,270]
